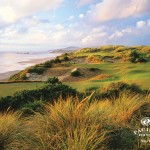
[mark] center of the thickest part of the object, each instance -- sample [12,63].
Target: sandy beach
[36,61]
[5,76]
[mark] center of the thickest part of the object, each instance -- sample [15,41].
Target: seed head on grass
[9,130]
[62,127]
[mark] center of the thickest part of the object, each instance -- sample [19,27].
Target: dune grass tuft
[72,124]
[9,130]
[66,127]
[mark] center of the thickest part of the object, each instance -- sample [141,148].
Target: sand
[5,76]
[36,61]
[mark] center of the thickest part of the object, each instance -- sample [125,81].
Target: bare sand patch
[64,74]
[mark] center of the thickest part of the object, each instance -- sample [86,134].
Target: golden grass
[70,124]
[102,77]
[125,106]
[9,130]
[74,125]
[65,126]
[93,60]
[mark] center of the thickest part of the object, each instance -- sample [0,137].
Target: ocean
[11,61]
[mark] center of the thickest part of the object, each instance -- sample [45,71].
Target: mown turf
[137,73]
[9,89]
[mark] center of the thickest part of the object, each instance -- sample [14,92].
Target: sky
[52,24]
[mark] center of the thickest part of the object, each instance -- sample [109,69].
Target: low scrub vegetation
[113,90]
[93,69]
[37,69]
[72,123]
[47,64]
[89,56]
[50,92]
[135,58]
[19,76]
[75,73]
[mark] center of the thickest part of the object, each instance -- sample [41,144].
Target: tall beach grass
[90,124]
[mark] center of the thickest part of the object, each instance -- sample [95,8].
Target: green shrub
[122,138]
[53,81]
[134,54]
[57,60]
[14,77]
[135,58]
[37,69]
[76,73]
[19,76]
[32,107]
[47,93]
[88,91]
[66,58]
[141,60]
[93,69]
[47,64]
[114,89]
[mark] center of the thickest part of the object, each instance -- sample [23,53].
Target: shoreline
[6,75]
[36,61]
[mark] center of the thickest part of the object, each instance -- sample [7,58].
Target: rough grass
[138,73]
[66,128]
[74,125]
[94,59]
[9,130]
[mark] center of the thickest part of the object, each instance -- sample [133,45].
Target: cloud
[81,16]
[36,33]
[11,11]
[119,9]
[140,24]
[130,35]
[133,35]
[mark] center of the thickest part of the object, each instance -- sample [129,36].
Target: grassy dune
[120,71]
[79,125]
[131,73]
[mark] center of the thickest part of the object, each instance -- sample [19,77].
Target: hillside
[96,66]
